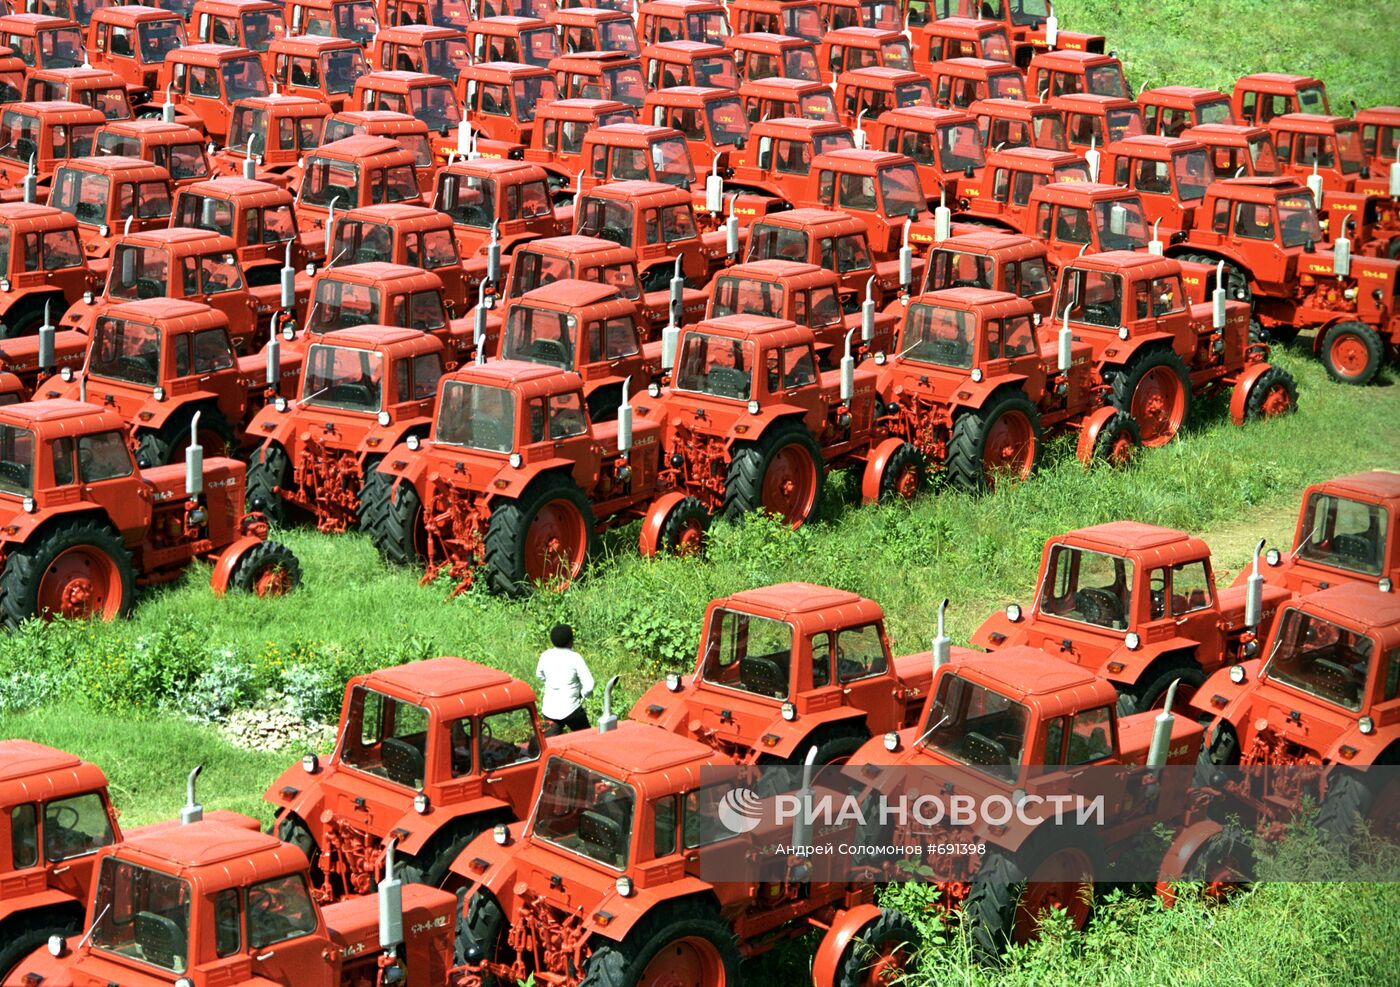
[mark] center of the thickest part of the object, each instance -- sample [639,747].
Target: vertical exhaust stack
[1092,158]
[624,418]
[31,181]
[330,228]
[714,189]
[731,231]
[1254,592]
[802,825]
[1052,31]
[390,903]
[250,165]
[479,325]
[1341,251]
[493,255]
[848,371]
[608,721]
[126,227]
[867,313]
[167,112]
[859,137]
[578,193]
[194,461]
[274,359]
[1395,180]
[464,137]
[942,218]
[1217,299]
[1155,247]
[193,812]
[288,297]
[675,312]
[46,342]
[1314,182]
[1065,354]
[942,644]
[1162,731]
[906,263]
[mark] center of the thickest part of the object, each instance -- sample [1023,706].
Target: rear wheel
[166,445]
[1351,797]
[1005,904]
[1352,352]
[687,946]
[393,516]
[269,473]
[881,954]
[1002,438]
[26,318]
[1155,389]
[268,569]
[782,474]
[1274,393]
[480,937]
[1151,691]
[544,537]
[23,934]
[73,569]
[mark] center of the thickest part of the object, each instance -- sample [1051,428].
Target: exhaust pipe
[167,112]
[1162,731]
[1341,251]
[47,335]
[867,312]
[848,371]
[942,218]
[1254,591]
[274,359]
[1065,356]
[608,721]
[31,181]
[1155,247]
[906,263]
[493,255]
[1314,182]
[479,325]
[1217,298]
[942,643]
[676,307]
[193,812]
[1092,158]
[330,225]
[624,418]
[390,902]
[714,189]
[194,461]
[802,825]
[250,166]
[731,230]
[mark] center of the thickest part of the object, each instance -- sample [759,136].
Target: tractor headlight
[1349,294]
[1132,640]
[310,763]
[789,712]
[280,404]
[624,886]
[1237,674]
[515,460]
[1273,556]
[4,284]
[880,359]
[977,375]
[413,443]
[673,681]
[57,946]
[1123,333]
[383,418]
[104,230]
[87,297]
[753,407]
[501,834]
[158,393]
[184,982]
[421,805]
[1384,585]
[892,741]
[67,374]
[654,389]
[29,506]
[1013,612]
[1366,725]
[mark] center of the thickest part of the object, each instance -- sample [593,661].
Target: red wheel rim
[1349,354]
[1184,692]
[1277,401]
[1121,448]
[1063,880]
[1159,406]
[790,486]
[1010,447]
[81,582]
[272,581]
[691,536]
[888,962]
[688,962]
[906,483]
[555,544]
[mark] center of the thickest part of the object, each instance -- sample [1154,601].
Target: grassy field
[124,694]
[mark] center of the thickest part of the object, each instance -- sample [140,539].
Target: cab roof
[1153,145]
[1040,159]
[573,244]
[1387,116]
[580,108]
[174,235]
[767,39]
[640,754]
[32,213]
[156,128]
[1018,108]
[992,240]
[1074,193]
[235,186]
[1371,485]
[923,114]
[36,22]
[1276,82]
[490,71]
[435,678]
[1135,263]
[1311,123]
[494,166]
[571,293]
[119,164]
[235,855]
[1183,95]
[810,216]
[373,337]
[430,32]
[686,94]
[1000,303]
[1125,536]
[781,86]
[635,189]
[396,77]
[210,54]
[286,101]
[134,15]
[79,414]
[530,379]
[19,758]
[317,42]
[1355,604]
[962,27]
[166,309]
[1023,672]
[775,270]
[883,75]
[749,326]
[362,146]
[62,108]
[684,46]
[1091,102]
[378,271]
[31,772]
[1068,57]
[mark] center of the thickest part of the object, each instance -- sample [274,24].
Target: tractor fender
[999,625]
[839,935]
[792,734]
[25,903]
[766,418]
[627,912]
[1136,662]
[390,436]
[405,465]
[1368,748]
[33,295]
[650,540]
[972,395]
[1215,253]
[161,412]
[1220,684]
[414,830]
[875,469]
[1184,849]
[1089,434]
[27,525]
[222,576]
[281,433]
[517,481]
[1239,397]
[1120,352]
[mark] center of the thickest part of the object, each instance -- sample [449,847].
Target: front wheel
[1274,393]
[1352,353]
[683,530]
[1005,904]
[269,473]
[881,953]
[1118,441]
[393,516]
[268,569]
[782,474]
[688,945]
[22,935]
[1155,388]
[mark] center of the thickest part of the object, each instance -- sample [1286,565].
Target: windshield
[357,241]
[717,72]
[1106,80]
[736,295]
[1121,225]
[203,212]
[895,55]
[960,147]
[16,460]
[801,21]
[585,812]
[1095,297]
[913,94]
[882,14]
[606,219]
[1350,154]
[818,106]
[108,143]
[618,35]
[329,181]
[1261,153]
[530,92]
[976,726]
[1344,534]
[901,191]
[142,914]
[1193,174]
[670,158]
[436,106]
[340,69]
[728,125]
[540,336]
[1297,215]
[469,199]
[61,48]
[342,377]
[944,337]
[801,63]
[538,47]
[445,57]
[777,243]
[711,27]
[1087,587]
[1006,85]
[418,146]
[126,351]
[1313,99]
[476,416]
[1321,658]
[343,305]
[84,194]
[249,124]
[160,38]
[626,85]
[243,77]
[1217,111]
[261,28]
[356,21]
[996,47]
[1124,123]
[750,653]
[458,14]
[138,273]
[385,737]
[715,365]
[954,269]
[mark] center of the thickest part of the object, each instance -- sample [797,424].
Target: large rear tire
[1005,904]
[23,934]
[782,474]
[166,445]
[393,516]
[1151,691]
[1003,438]
[1155,388]
[687,944]
[74,569]
[269,473]
[1352,353]
[1272,395]
[544,537]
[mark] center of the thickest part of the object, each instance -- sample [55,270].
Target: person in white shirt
[566,681]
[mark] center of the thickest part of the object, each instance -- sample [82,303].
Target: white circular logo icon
[741,811]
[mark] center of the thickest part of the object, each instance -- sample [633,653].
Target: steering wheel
[1336,668]
[1097,313]
[64,816]
[15,471]
[137,366]
[148,288]
[550,351]
[614,234]
[967,283]
[1098,605]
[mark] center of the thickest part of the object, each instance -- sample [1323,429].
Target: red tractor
[207,899]
[37,138]
[775,98]
[659,21]
[1094,121]
[1266,232]
[658,223]
[1033,28]
[1170,174]
[429,98]
[1059,72]
[363,391]
[1319,696]
[100,89]
[277,131]
[1010,123]
[992,260]
[972,389]
[203,82]
[1257,99]
[945,145]
[869,92]
[376,293]
[613,75]
[1021,722]
[1237,150]
[589,29]
[797,18]
[935,40]
[110,197]
[1169,111]
[1380,133]
[1346,533]
[175,147]
[352,173]
[412,236]
[820,675]
[43,42]
[623,152]
[436,49]
[1138,606]
[750,423]
[498,203]
[431,753]
[318,68]
[711,120]
[764,57]
[44,271]
[777,162]
[846,49]
[503,100]
[619,817]
[836,241]
[689,63]
[87,526]
[1001,195]
[55,814]
[556,143]
[260,219]
[507,38]
[410,133]
[960,82]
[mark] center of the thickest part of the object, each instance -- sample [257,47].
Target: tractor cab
[1027,24]
[778,156]
[205,81]
[1257,99]
[658,223]
[103,193]
[353,172]
[43,42]
[528,40]
[257,216]
[601,75]
[427,97]
[774,98]
[1058,73]
[434,49]
[383,294]
[849,48]
[251,24]
[794,18]
[277,130]
[1329,146]
[503,100]
[994,261]
[12,73]
[836,241]
[1380,133]
[623,152]
[759,56]
[1115,598]
[81,11]
[580,29]
[453,14]
[560,130]
[511,197]
[1094,121]
[353,20]
[49,133]
[1237,150]
[1346,533]
[414,236]
[771,658]
[942,39]
[689,63]
[960,82]
[945,145]
[175,147]
[100,89]
[1270,222]
[711,120]
[1075,218]
[1012,123]
[1171,175]
[410,133]
[884,15]
[318,68]
[866,93]
[1168,111]
[881,188]
[133,42]
[660,21]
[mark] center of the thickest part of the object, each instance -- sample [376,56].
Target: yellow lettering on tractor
[746,211]
[973,193]
[1378,275]
[1319,269]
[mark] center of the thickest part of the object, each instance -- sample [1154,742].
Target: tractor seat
[403,762]
[160,940]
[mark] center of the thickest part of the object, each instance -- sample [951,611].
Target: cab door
[865,676]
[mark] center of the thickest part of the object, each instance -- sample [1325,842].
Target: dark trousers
[577,720]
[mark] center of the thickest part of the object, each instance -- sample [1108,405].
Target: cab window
[103,456]
[1191,588]
[663,839]
[24,836]
[228,923]
[279,910]
[508,738]
[1091,736]
[860,653]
